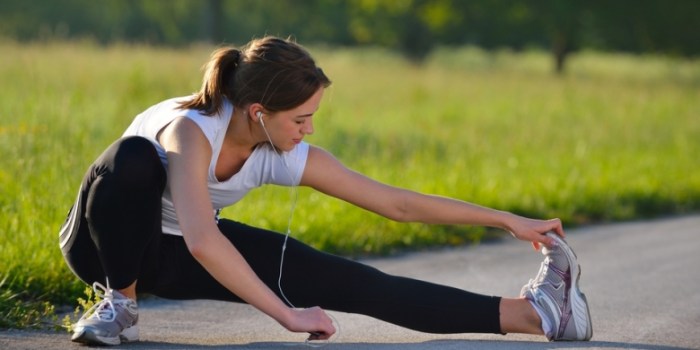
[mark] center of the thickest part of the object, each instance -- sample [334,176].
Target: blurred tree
[397,24]
[560,21]
[212,21]
[670,27]
[413,27]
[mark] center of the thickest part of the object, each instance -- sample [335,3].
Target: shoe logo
[558,285]
[131,308]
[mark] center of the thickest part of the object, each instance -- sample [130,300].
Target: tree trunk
[212,21]
[560,49]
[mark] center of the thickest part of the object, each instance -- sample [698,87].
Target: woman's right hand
[313,320]
[533,230]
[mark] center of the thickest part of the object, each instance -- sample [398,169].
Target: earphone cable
[292,208]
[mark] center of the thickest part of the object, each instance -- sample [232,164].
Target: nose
[308,127]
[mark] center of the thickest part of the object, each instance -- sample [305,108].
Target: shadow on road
[432,344]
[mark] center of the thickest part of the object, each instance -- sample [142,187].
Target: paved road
[642,280]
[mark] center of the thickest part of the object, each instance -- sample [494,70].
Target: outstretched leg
[314,278]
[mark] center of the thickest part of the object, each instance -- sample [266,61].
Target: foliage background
[413,27]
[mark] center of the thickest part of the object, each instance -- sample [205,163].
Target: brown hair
[277,73]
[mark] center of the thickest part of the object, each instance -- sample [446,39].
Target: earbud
[259,114]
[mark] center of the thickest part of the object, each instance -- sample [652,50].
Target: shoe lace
[103,310]
[539,279]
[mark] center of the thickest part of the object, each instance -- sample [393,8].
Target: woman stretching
[147,218]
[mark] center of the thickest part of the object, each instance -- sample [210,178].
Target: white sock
[546,325]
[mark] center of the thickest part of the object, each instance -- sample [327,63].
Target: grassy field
[616,138]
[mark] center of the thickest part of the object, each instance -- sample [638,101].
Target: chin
[286,148]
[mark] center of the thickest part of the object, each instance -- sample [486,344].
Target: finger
[319,336]
[327,328]
[330,331]
[547,242]
[543,240]
[557,228]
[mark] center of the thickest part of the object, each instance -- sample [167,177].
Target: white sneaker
[109,322]
[557,296]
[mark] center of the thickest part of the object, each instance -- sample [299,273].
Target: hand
[312,320]
[534,230]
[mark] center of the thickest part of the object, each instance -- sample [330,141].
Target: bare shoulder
[321,163]
[326,173]
[181,130]
[318,154]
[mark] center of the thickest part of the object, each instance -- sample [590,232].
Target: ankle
[129,291]
[519,316]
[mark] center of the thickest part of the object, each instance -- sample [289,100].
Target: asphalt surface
[642,280]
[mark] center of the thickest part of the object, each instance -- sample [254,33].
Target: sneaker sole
[581,314]
[87,337]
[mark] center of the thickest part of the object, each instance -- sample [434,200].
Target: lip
[296,141]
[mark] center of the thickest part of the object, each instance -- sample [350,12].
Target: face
[288,128]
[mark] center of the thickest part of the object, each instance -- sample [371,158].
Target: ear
[253,110]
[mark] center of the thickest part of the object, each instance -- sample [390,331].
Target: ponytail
[277,73]
[217,83]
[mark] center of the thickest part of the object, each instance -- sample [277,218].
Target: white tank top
[264,166]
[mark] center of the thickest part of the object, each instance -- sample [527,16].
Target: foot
[109,322]
[556,296]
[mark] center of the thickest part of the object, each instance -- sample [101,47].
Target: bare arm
[189,154]
[326,174]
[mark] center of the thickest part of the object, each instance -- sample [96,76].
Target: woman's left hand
[533,230]
[313,320]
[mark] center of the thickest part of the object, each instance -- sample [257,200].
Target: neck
[242,133]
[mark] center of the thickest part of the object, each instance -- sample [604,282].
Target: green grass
[617,138]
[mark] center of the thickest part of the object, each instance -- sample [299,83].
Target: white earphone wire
[292,208]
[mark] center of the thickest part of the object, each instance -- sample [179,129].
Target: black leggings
[113,232]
